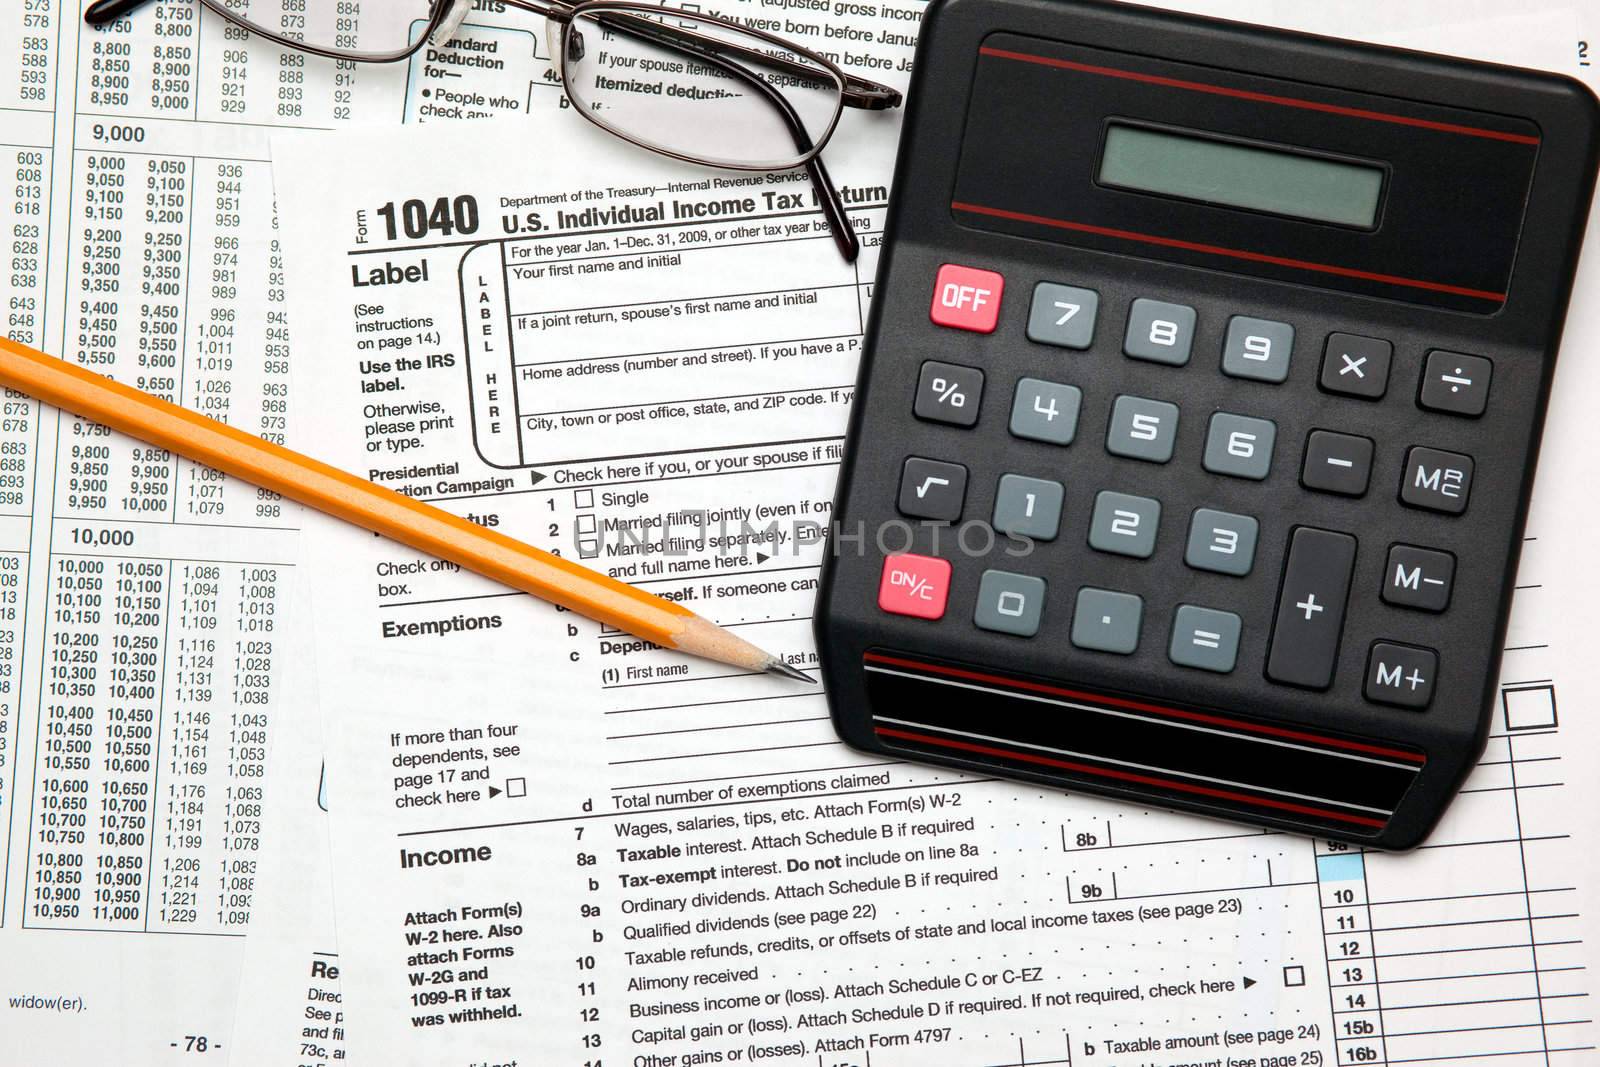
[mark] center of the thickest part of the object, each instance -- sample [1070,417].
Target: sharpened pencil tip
[787,671]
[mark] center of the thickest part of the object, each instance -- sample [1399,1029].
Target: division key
[1311,602]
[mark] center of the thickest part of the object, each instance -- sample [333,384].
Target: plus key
[1311,601]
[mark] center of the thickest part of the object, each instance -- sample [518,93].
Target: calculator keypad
[1205,639]
[1142,429]
[1420,578]
[1356,366]
[1063,315]
[1307,628]
[1124,524]
[1437,480]
[1028,507]
[1258,349]
[949,393]
[1160,332]
[1045,411]
[965,298]
[1337,463]
[1311,604]
[1107,621]
[1240,446]
[1456,383]
[932,489]
[1009,603]
[1222,542]
[914,585]
[1401,675]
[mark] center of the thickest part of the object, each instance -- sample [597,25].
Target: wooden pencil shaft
[341,494]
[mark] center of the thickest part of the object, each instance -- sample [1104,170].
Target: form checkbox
[1294,975]
[583,498]
[516,787]
[585,524]
[1529,707]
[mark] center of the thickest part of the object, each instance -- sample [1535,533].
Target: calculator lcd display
[1214,171]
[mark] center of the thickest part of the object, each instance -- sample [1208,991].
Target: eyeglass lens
[356,28]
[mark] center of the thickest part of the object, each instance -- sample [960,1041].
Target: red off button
[914,585]
[967,298]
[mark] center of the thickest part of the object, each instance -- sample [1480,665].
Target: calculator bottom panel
[1186,757]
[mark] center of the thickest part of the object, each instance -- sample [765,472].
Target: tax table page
[144,600]
[554,844]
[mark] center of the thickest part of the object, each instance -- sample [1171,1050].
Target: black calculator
[1199,411]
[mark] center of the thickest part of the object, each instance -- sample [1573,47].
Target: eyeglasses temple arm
[858,92]
[844,236]
[103,11]
[550,9]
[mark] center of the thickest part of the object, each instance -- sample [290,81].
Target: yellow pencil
[356,500]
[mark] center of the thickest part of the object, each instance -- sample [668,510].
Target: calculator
[1198,414]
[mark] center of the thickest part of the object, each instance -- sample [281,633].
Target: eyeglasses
[695,87]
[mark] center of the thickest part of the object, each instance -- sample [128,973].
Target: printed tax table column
[29,37]
[161,663]
[164,576]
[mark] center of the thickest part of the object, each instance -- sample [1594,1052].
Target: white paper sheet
[528,808]
[140,237]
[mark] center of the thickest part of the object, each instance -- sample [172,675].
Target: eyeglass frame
[854,91]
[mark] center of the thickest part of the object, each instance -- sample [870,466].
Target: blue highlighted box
[1345,868]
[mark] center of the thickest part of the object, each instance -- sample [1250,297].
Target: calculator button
[1124,524]
[1205,638]
[1142,429]
[967,298]
[949,393]
[1401,675]
[1045,411]
[1028,507]
[1337,463]
[1160,332]
[1221,541]
[1456,384]
[1311,601]
[1063,315]
[1356,366]
[1009,603]
[1437,480]
[1105,621]
[1239,446]
[930,489]
[1420,578]
[914,585]
[1257,348]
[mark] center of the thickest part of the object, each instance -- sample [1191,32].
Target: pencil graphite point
[775,667]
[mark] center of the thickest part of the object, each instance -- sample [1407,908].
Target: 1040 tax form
[145,618]
[556,845]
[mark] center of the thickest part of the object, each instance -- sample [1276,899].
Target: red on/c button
[914,585]
[967,298]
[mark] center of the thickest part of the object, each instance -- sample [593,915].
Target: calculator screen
[1313,184]
[1256,177]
